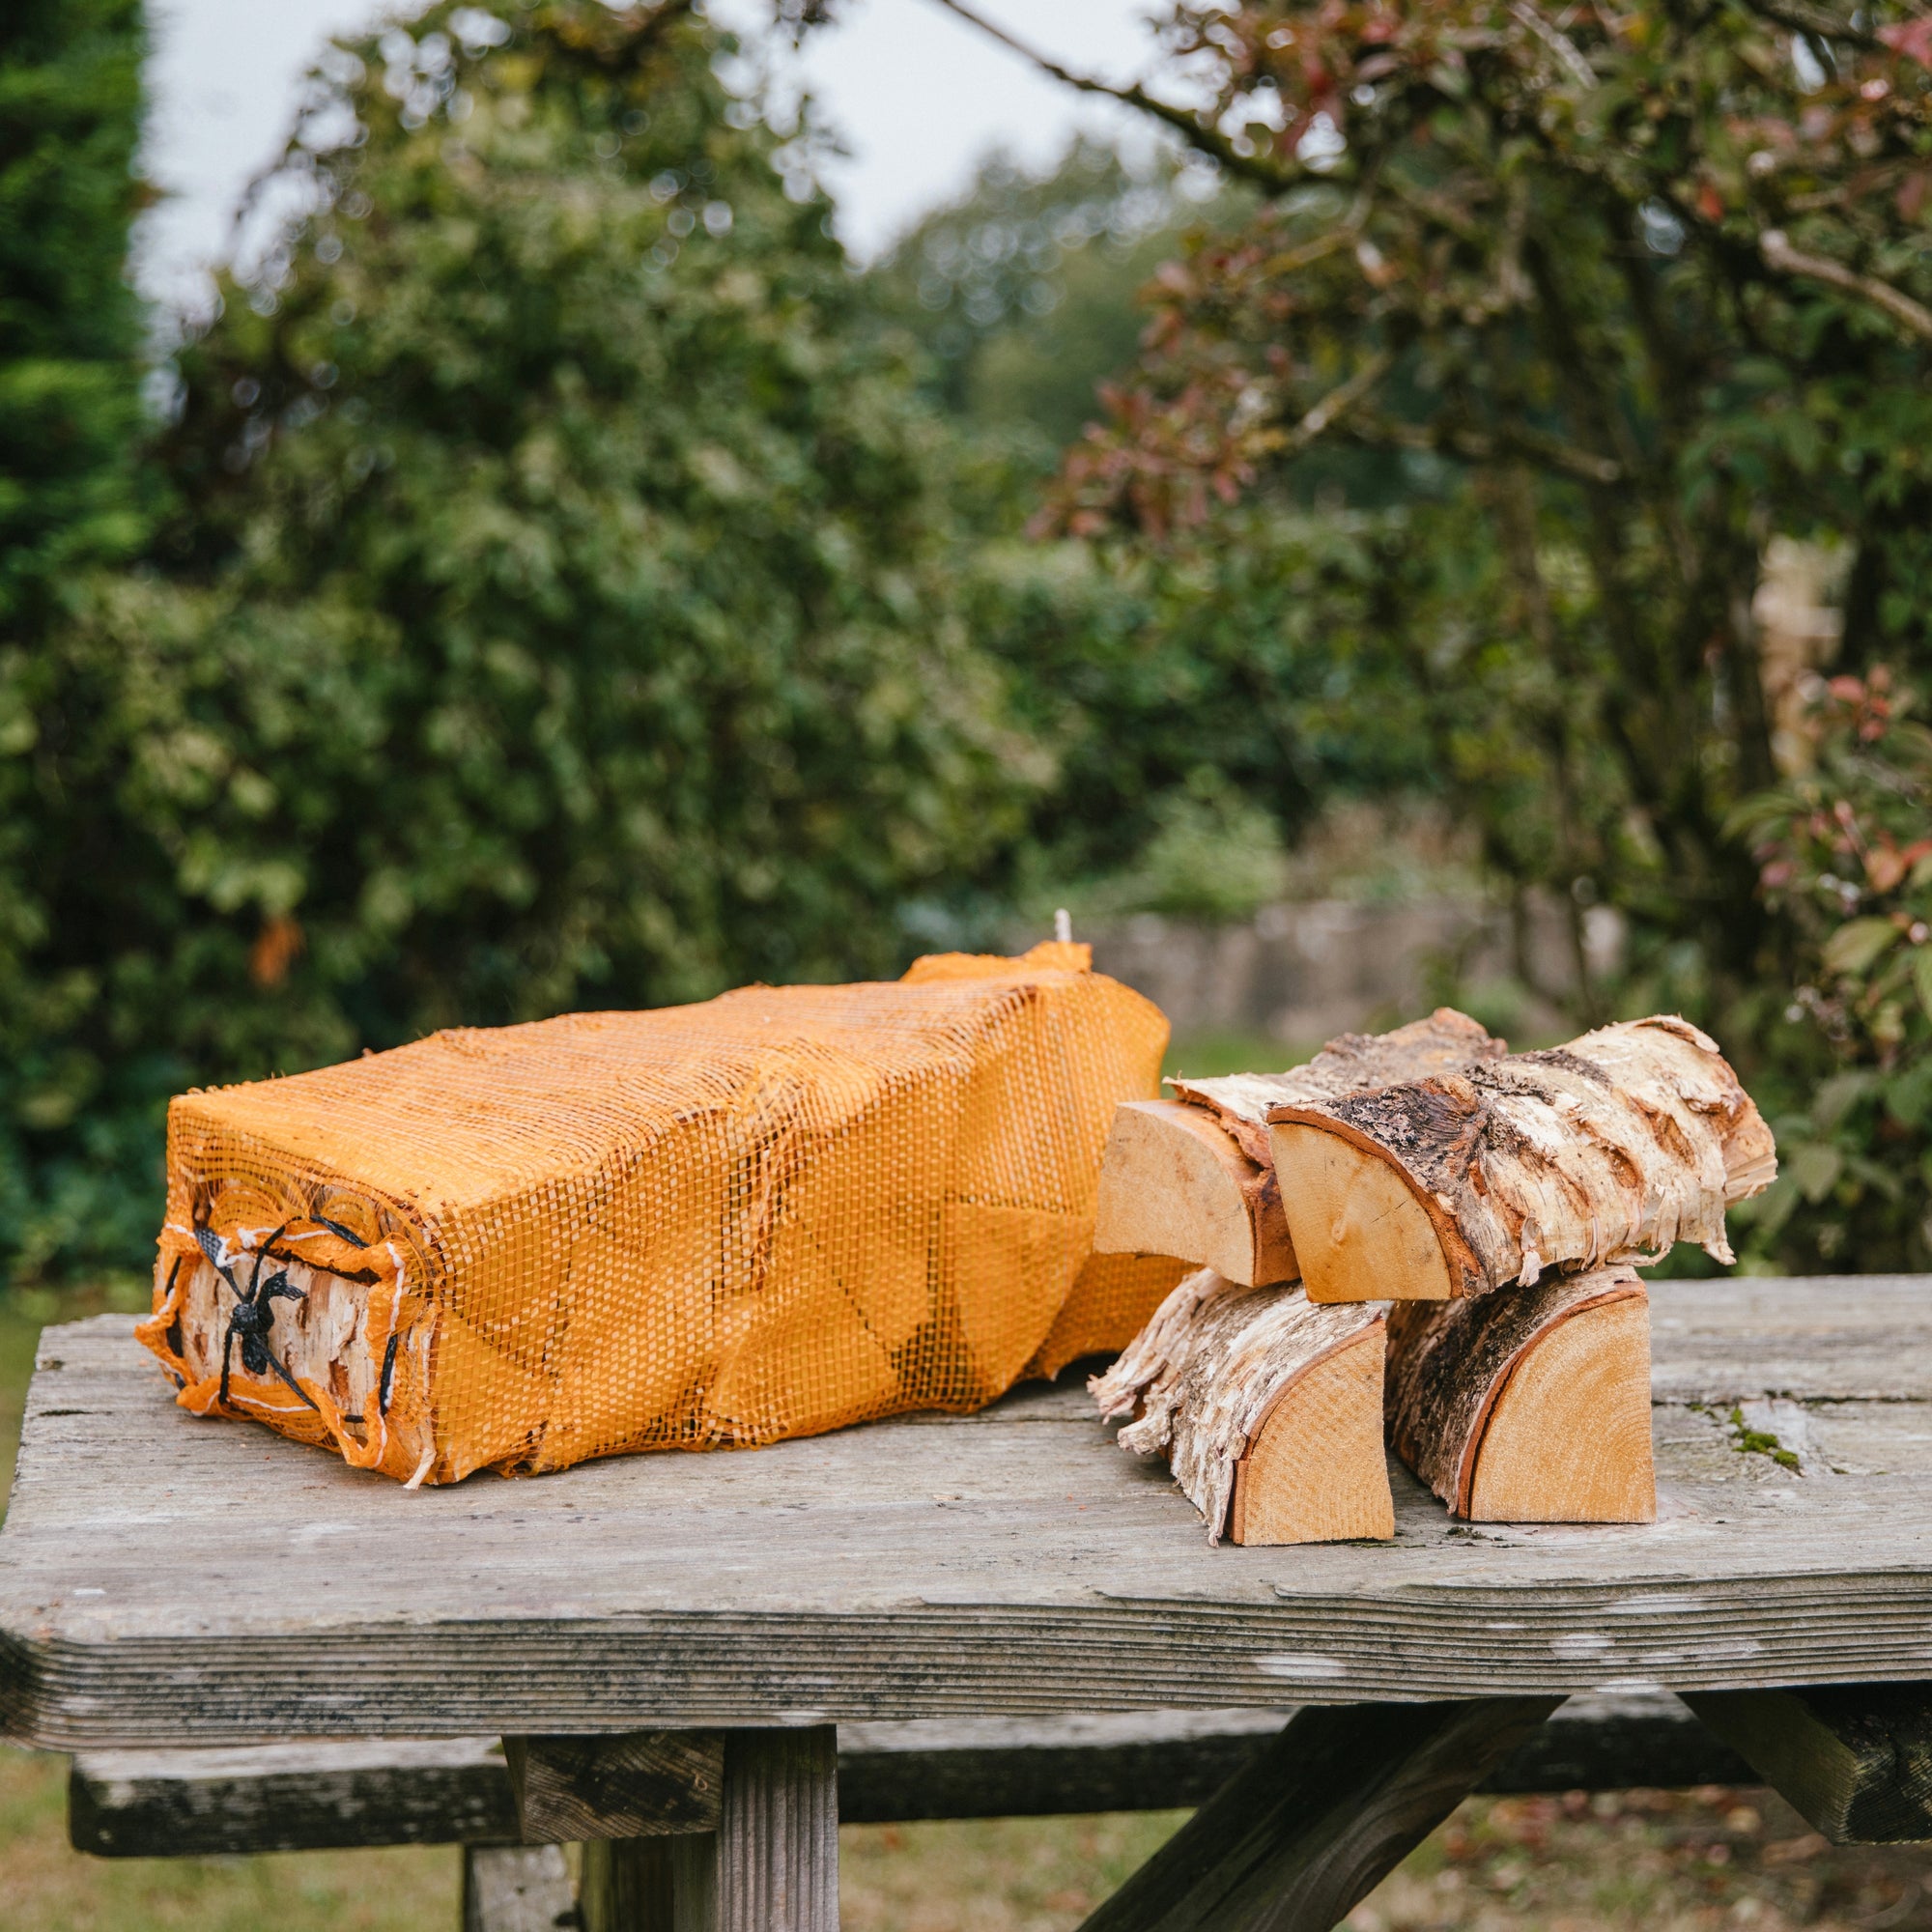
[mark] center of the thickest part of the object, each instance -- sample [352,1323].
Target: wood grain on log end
[1531,1405]
[1224,1375]
[1361,1231]
[1175,1182]
[1569,1437]
[1315,1471]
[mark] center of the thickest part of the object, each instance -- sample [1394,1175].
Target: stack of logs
[1422,1233]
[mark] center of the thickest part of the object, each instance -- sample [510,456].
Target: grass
[1627,1861]
[1207,1056]
[44,1885]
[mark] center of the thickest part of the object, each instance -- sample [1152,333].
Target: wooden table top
[166,1580]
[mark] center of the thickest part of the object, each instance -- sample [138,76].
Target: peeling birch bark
[1197,1180]
[1268,1407]
[1356,1063]
[1613,1148]
[1532,1407]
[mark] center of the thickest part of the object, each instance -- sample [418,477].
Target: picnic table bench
[667,1644]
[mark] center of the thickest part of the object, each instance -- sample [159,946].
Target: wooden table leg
[625,1884]
[1319,1816]
[515,1889]
[772,1864]
[1856,1759]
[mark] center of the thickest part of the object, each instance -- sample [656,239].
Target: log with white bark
[1532,1407]
[1268,1407]
[1613,1148]
[1195,1177]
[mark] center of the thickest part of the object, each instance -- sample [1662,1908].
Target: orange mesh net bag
[780,1211]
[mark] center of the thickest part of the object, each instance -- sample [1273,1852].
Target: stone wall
[1302,973]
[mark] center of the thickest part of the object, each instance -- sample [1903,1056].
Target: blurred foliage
[72,497]
[555,611]
[1629,305]
[1225,691]
[1845,852]
[562,581]
[1024,291]
[1636,293]
[70,326]
[1214,855]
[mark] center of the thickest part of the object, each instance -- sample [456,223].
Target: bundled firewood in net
[1195,1177]
[778,1212]
[1614,1146]
[1267,1407]
[1531,1405]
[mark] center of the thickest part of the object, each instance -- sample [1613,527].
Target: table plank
[1823,1338]
[165,1579]
[383,1791]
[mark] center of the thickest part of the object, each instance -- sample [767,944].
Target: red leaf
[1910,38]
[1885,866]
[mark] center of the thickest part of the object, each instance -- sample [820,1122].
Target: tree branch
[1291,261]
[1335,405]
[1779,254]
[1797,17]
[1202,135]
[1436,207]
[1560,44]
[1474,445]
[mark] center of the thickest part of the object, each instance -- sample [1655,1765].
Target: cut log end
[1314,1471]
[1173,1182]
[1361,1233]
[1529,1406]
[1269,1410]
[1567,1440]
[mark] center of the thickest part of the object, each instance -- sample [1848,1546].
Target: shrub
[553,612]
[1845,852]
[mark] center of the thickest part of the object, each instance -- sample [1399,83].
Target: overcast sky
[917,94]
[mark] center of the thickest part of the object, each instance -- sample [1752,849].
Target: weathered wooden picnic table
[666,1643]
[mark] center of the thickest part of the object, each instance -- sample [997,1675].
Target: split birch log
[1175,1182]
[1195,1177]
[1613,1148]
[1269,1409]
[1532,1407]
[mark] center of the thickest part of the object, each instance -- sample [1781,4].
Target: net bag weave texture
[778,1212]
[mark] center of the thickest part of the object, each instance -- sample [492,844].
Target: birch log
[1195,1177]
[1532,1407]
[1269,1409]
[1175,1182]
[1611,1149]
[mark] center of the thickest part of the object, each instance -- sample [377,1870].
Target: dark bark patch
[1570,1063]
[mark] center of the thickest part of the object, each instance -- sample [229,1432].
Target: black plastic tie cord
[253,1317]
